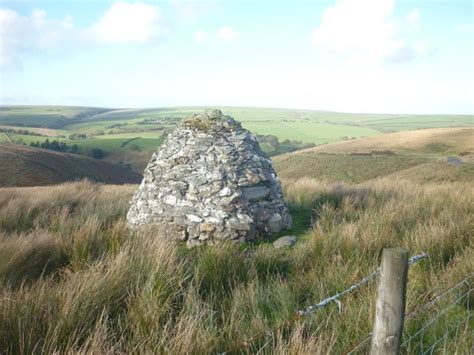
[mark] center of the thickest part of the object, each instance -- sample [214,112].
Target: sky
[380,56]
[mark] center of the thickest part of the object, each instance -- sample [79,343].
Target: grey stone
[274,224]
[255,193]
[194,218]
[286,241]
[209,181]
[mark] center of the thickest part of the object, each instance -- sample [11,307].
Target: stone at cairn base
[210,181]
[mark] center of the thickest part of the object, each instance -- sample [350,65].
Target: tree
[97,153]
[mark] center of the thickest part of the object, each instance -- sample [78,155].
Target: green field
[44,116]
[119,131]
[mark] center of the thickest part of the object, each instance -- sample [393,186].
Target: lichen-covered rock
[210,181]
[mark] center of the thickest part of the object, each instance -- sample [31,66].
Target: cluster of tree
[270,139]
[77,136]
[57,146]
[298,144]
[24,132]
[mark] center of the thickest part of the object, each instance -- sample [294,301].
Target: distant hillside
[434,140]
[45,116]
[26,166]
[430,155]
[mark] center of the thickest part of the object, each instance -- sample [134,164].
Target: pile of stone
[210,181]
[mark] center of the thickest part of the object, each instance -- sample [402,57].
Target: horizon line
[242,107]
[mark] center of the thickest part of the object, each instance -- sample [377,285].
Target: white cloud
[413,17]
[366,28]
[129,23]
[355,24]
[190,11]
[121,23]
[200,36]
[22,33]
[227,34]
[223,34]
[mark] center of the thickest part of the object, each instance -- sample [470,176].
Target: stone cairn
[210,181]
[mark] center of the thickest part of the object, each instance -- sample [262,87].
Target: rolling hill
[111,129]
[435,140]
[351,147]
[430,155]
[26,166]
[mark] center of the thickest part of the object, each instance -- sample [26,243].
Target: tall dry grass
[74,279]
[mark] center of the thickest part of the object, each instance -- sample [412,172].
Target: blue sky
[341,55]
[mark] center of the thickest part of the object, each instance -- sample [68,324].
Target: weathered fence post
[389,314]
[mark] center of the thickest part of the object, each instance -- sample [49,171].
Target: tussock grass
[74,279]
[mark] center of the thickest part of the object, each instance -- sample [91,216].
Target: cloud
[223,34]
[413,17]
[227,34]
[190,11]
[355,24]
[28,33]
[366,28]
[121,23]
[128,23]
[200,36]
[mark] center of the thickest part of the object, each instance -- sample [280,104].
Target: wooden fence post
[390,311]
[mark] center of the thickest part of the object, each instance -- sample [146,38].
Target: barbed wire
[312,308]
[414,312]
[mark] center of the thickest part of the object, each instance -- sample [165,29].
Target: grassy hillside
[112,129]
[25,166]
[419,156]
[44,116]
[437,141]
[74,279]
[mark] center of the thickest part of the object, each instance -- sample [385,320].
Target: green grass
[109,143]
[302,125]
[311,132]
[145,135]
[74,279]
[44,116]
[112,129]
[347,168]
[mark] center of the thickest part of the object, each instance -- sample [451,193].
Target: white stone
[225,192]
[194,218]
[170,200]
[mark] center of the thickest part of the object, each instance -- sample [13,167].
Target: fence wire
[458,325]
[312,308]
[410,315]
[422,330]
